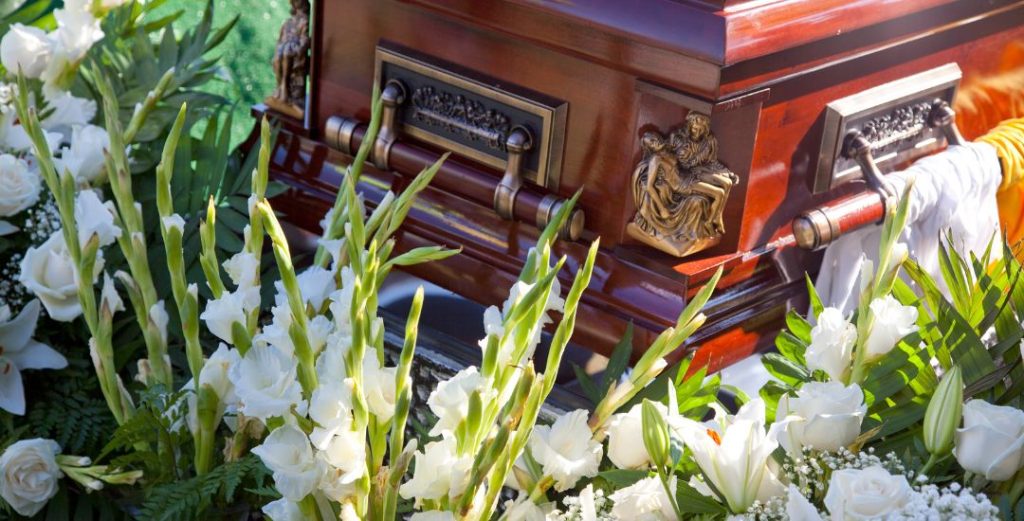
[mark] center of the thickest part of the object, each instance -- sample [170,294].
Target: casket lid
[650,37]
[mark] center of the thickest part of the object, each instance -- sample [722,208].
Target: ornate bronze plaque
[474,116]
[680,189]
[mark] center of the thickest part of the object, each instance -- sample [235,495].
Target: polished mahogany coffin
[742,134]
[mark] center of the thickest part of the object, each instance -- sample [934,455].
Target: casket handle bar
[817,228]
[341,133]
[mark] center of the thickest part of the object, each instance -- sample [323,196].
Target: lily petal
[7,228]
[12,394]
[17,333]
[38,356]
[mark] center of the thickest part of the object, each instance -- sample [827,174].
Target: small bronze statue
[291,63]
[680,189]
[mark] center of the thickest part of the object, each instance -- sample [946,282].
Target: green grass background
[246,75]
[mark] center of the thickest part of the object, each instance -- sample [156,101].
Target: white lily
[733,453]
[19,351]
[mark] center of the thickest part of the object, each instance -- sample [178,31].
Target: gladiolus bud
[943,414]
[655,434]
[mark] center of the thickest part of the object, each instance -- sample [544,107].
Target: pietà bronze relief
[680,189]
[291,63]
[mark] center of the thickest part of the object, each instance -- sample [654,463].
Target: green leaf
[691,501]
[621,478]
[619,360]
[812,293]
[785,369]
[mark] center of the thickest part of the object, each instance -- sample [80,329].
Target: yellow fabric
[1008,140]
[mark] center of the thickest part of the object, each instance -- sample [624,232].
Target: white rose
[84,158]
[870,493]
[283,510]
[49,273]
[27,49]
[830,415]
[19,186]
[440,471]
[93,216]
[450,400]
[566,449]
[265,383]
[891,322]
[625,438]
[832,341]
[232,307]
[30,474]
[286,452]
[799,508]
[991,443]
[645,500]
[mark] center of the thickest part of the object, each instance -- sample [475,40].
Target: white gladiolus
[450,400]
[316,284]
[733,453]
[832,341]
[76,31]
[829,415]
[991,442]
[861,494]
[19,185]
[231,308]
[283,510]
[345,460]
[29,474]
[109,297]
[215,373]
[26,49]
[645,500]
[286,452]
[440,472]
[891,322]
[243,268]
[566,449]
[50,274]
[379,387]
[432,515]
[94,217]
[84,158]
[71,113]
[266,384]
[330,406]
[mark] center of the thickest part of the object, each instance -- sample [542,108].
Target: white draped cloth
[953,191]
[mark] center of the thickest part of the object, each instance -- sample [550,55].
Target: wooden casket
[743,134]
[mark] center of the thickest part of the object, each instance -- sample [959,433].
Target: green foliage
[192,498]
[617,365]
[245,75]
[69,409]
[154,438]
[38,13]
